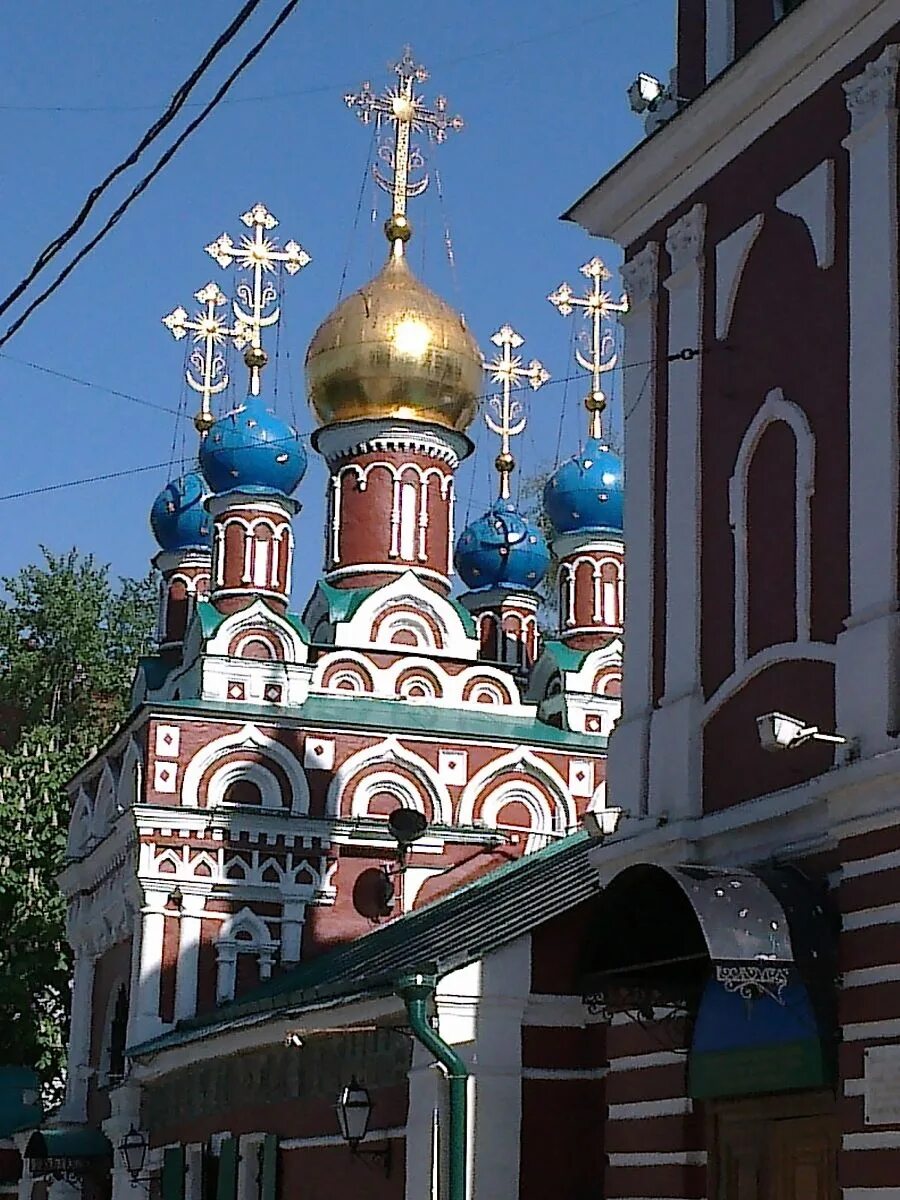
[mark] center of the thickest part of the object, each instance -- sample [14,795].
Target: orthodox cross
[206,371]
[258,254]
[406,111]
[597,305]
[507,369]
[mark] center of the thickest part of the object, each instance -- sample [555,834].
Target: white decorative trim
[886,1139]
[863,918]
[873,92]
[335,1139]
[641,1110]
[812,200]
[872,1031]
[353,439]
[685,238]
[732,254]
[388,753]
[522,761]
[864,977]
[248,738]
[775,408]
[871,866]
[660,1158]
[640,274]
[393,570]
[783,652]
[640,1062]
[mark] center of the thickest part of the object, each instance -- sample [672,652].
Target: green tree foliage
[69,639]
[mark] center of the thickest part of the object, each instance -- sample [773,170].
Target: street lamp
[354,1110]
[133,1148]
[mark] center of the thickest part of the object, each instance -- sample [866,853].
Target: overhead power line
[158,127]
[151,175]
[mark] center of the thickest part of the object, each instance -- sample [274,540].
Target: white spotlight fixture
[602,823]
[645,92]
[778,731]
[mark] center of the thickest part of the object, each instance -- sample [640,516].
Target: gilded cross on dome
[406,111]
[598,305]
[259,254]
[206,372]
[507,369]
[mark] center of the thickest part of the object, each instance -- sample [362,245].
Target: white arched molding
[230,944]
[105,808]
[256,619]
[385,755]
[482,785]
[130,776]
[408,592]
[379,783]
[775,408]
[544,821]
[79,838]
[249,738]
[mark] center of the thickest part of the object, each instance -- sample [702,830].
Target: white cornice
[338,443]
[805,51]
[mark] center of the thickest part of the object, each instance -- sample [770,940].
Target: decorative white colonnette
[869,648]
[627,768]
[675,736]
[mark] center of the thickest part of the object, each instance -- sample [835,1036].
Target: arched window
[242,791]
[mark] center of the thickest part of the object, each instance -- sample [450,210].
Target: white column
[867,666]
[248,1166]
[146,967]
[80,1035]
[293,914]
[675,734]
[719,36]
[193,1178]
[188,956]
[627,765]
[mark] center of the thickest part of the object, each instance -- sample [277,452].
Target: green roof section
[564,656]
[465,616]
[73,1141]
[20,1100]
[400,717]
[343,602]
[460,928]
[211,620]
[155,670]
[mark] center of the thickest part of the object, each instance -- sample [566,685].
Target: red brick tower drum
[182,527]
[393,377]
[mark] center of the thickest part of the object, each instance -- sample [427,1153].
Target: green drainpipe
[416,991]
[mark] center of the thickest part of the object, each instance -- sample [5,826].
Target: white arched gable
[256,618]
[775,408]
[543,823]
[246,921]
[408,591]
[130,776]
[252,772]
[79,825]
[249,738]
[482,785]
[385,755]
[105,809]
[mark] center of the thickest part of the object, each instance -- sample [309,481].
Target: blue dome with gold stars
[502,550]
[252,449]
[178,518]
[586,492]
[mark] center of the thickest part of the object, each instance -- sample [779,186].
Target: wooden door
[774,1148]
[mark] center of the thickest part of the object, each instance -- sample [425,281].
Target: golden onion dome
[394,349]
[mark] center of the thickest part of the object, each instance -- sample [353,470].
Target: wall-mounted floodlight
[645,92]
[602,823]
[778,731]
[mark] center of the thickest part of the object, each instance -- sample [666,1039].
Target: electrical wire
[158,127]
[88,383]
[151,175]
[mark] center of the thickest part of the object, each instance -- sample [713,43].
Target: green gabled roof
[211,619]
[399,716]
[465,616]
[155,671]
[564,656]
[471,922]
[343,602]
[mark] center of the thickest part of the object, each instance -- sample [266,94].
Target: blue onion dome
[586,492]
[178,517]
[251,449]
[502,550]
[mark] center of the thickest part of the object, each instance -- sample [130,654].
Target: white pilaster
[868,651]
[80,1035]
[146,963]
[627,766]
[675,735]
[248,1180]
[719,36]
[293,914]
[188,956]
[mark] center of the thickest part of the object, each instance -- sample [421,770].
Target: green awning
[73,1141]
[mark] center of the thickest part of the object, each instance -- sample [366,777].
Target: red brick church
[351,909]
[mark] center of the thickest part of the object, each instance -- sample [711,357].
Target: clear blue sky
[542,91]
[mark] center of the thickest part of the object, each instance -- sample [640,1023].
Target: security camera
[645,92]
[778,731]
